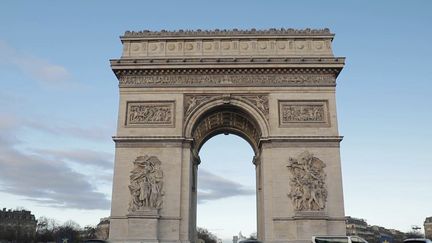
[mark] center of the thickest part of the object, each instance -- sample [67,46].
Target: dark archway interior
[226,119]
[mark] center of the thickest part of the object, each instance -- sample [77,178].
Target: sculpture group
[307,182]
[146,184]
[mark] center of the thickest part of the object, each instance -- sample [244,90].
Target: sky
[59,103]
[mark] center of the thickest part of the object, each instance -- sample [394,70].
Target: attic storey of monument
[274,88]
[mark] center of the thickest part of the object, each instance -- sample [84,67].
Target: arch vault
[274,88]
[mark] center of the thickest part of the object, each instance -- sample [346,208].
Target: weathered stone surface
[274,88]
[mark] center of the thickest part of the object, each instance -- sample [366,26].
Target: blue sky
[59,98]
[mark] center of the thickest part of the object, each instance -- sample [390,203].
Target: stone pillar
[161,219]
[316,211]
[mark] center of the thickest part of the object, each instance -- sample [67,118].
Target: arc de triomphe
[274,88]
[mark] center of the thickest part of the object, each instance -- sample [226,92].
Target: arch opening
[227,187]
[243,123]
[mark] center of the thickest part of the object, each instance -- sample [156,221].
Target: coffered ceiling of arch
[229,121]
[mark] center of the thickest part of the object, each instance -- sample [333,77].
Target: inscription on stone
[298,112]
[150,113]
[307,182]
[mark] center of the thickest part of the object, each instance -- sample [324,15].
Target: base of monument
[140,226]
[143,226]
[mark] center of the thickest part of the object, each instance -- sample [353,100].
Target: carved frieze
[146,184]
[309,112]
[259,101]
[150,113]
[216,47]
[307,182]
[206,80]
[239,42]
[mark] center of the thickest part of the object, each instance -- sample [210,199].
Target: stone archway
[224,114]
[274,88]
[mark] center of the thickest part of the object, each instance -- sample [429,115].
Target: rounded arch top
[242,115]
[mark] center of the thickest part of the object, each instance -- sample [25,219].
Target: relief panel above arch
[259,101]
[303,113]
[150,114]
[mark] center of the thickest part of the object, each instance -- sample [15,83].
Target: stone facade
[373,233]
[428,228]
[17,224]
[274,88]
[102,229]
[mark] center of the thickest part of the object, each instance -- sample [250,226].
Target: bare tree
[70,230]
[205,235]
[45,229]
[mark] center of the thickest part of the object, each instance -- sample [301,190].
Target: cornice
[229,33]
[129,139]
[215,66]
[202,61]
[119,139]
[337,139]
[119,72]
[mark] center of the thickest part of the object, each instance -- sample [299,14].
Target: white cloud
[38,68]
[85,157]
[213,187]
[46,177]
[47,181]
[89,133]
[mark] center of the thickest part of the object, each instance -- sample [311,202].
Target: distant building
[235,239]
[102,229]
[18,225]
[428,227]
[373,234]
[359,227]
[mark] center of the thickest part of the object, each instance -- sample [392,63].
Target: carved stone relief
[302,112]
[307,182]
[259,101]
[193,101]
[150,113]
[224,48]
[146,184]
[227,80]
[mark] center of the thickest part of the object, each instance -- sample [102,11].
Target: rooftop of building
[17,214]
